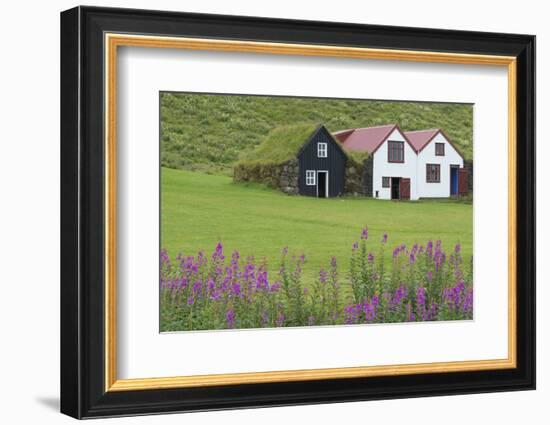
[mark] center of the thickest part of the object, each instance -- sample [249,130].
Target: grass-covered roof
[280,145]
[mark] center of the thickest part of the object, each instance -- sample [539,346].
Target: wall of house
[383,168]
[427,156]
[283,176]
[354,181]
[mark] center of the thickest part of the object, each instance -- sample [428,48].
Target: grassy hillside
[199,210]
[210,132]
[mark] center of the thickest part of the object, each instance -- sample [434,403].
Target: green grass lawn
[198,210]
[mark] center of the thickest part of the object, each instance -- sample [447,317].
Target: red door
[405,189]
[463,181]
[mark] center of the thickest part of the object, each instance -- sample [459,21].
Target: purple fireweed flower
[384,238]
[164,258]
[249,269]
[190,301]
[457,248]
[323,276]
[439,259]
[431,314]
[421,303]
[197,286]
[429,276]
[181,283]
[275,287]
[226,280]
[230,318]
[261,280]
[369,309]
[468,303]
[398,250]
[215,295]
[429,249]
[333,262]
[306,291]
[365,233]
[236,289]
[355,246]
[297,271]
[400,294]
[201,259]
[280,320]
[218,253]
[210,284]
[370,257]
[420,296]
[350,314]
[410,314]
[265,318]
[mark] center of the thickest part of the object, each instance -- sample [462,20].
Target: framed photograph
[261,212]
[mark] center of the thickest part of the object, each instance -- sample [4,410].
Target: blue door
[454,180]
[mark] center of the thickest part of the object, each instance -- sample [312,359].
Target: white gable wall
[428,156]
[383,168]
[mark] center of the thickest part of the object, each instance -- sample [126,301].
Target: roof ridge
[418,131]
[365,128]
[376,126]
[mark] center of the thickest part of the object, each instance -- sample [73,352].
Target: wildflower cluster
[422,283]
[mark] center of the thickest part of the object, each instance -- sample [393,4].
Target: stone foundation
[280,176]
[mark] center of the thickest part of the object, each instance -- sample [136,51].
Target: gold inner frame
[113,41]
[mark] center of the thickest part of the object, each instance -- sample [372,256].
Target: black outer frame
[82,220]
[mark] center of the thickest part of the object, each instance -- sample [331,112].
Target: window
[395,151]
[385,182]
[440,149]
[321,150]
[310,177]
[433,173]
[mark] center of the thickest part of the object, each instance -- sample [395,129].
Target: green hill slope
[210,132]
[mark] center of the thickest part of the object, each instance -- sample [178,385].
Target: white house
[439,164]
[407,165]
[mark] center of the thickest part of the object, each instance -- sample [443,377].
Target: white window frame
[322,150]
[311,179]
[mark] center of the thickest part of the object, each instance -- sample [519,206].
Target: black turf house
[301,159]
[321,165]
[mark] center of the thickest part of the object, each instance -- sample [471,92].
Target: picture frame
[90,39]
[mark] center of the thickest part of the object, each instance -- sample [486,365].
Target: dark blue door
[454,180]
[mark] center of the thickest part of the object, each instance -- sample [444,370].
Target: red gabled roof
[419,139]
[366,139]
